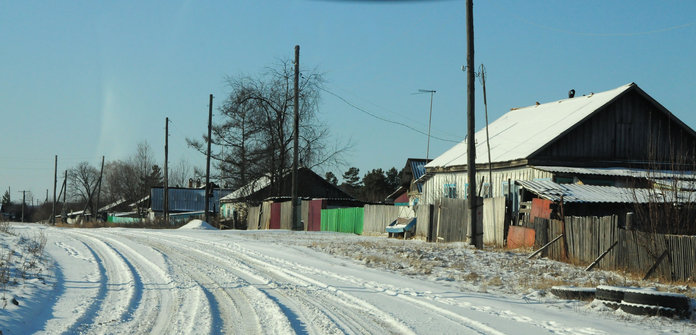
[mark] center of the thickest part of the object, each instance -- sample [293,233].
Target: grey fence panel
[377,217]
[253,218]
[494,221]
[423,213]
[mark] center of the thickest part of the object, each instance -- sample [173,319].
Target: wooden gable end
[633,130]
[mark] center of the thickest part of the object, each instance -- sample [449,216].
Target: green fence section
[123,219]
[343,220]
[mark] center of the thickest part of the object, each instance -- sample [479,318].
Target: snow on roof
[622,172]
[248,189]
[522,131]
[601,194]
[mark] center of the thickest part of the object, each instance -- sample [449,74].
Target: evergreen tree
[5,201]
[331,178]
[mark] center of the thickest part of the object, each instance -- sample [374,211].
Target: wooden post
[596,261]
[165,205]
[207,161]
[101,173]
[657,263]
[295,140]
[564,247]
[470,120]
[55,183]
[544,247]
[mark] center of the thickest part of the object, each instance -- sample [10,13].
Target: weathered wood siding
[433,189]
[378,217]
[631,130]
[494,221]
[587,238]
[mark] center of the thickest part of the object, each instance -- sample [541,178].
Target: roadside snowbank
[198,224]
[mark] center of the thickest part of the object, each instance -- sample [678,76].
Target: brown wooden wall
[630,130]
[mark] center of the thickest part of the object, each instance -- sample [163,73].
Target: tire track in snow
[118,281]
[90,313]
[232,302]
[347,312]
[285,314]
[158,312]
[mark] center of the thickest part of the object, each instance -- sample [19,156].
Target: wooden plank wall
[494,221]
[423,224]
[253,217]
[452,220]
[636,252]
[378,217]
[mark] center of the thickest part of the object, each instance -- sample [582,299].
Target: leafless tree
[180,174]
[83,179]
[254,132]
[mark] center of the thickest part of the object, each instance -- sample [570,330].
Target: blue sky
[82,79]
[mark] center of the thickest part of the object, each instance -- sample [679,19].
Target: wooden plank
[657,263]
[545,246]
[596,261]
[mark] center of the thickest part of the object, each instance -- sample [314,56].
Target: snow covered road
[138,281]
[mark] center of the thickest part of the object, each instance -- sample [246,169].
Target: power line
[385,119]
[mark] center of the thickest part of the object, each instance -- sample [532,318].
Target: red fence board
[275,216]
[520,237]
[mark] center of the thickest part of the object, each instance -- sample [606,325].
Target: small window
[450,191]
[486,190]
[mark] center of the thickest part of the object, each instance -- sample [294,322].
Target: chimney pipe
[571,93]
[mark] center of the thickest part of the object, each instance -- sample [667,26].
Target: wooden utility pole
[55,183]
[470,119]
[165,207]
[101,173]
[65,195]
[207,163]
[24,195]
[296,126]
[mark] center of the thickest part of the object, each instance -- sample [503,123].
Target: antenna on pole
[430,118]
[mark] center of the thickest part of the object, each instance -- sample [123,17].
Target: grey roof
[620,171]
[600,194]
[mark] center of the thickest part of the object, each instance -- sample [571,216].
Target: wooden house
[315,191]
[623,129]
[410,190]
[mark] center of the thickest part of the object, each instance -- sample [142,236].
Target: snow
[198,224]
[522,131]
[118,280]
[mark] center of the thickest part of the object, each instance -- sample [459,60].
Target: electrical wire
[385,119]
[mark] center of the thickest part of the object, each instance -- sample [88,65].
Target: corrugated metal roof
[623,172]
[418,170]
[521,132]
[186,199]
[599,194]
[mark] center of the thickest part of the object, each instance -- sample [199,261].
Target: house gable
[632,130]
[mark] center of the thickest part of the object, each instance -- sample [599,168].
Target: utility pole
[207,164]
[55,183]
[296,126]
[101,173]
[165,208]
[470,119]
[430,118]
[65,195]
[24,197]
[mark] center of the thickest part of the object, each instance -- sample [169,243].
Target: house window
[486,190]
[450,191]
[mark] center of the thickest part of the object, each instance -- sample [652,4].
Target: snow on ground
[198,224]
[197,281]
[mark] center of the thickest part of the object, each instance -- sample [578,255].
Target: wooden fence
[586,238]
[494,221]
[378,217]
